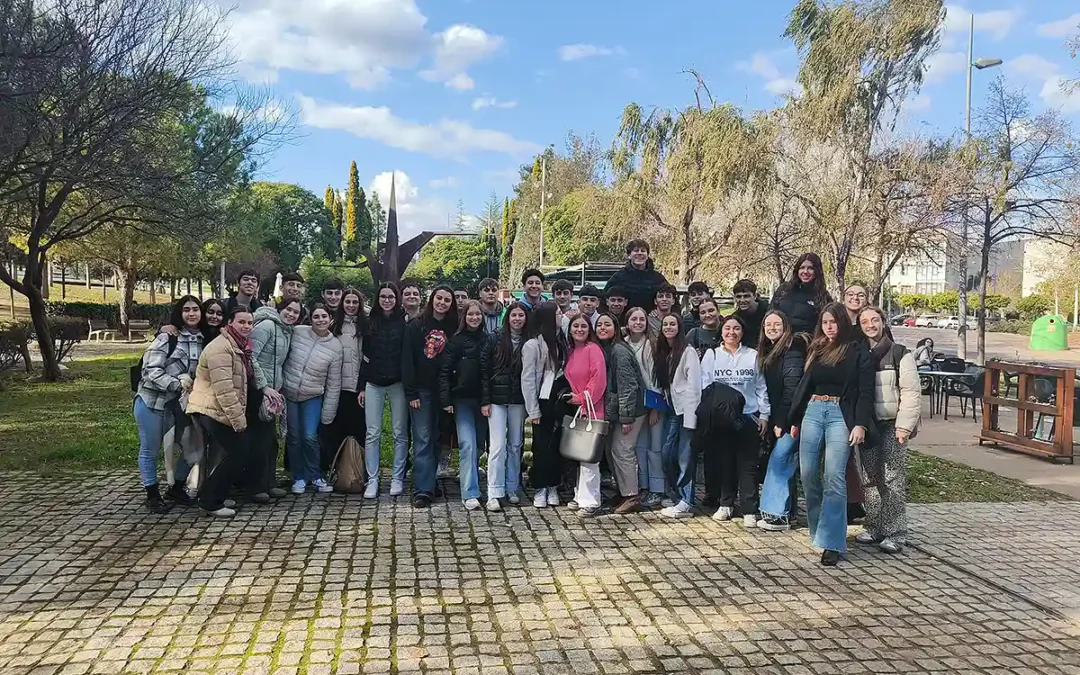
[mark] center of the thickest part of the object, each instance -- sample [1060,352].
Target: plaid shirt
[161,371]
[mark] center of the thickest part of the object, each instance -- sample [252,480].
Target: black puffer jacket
[640,285]
[782,378]
[425,340]
[381,363]
[800,305]
[459,366]
[500,383]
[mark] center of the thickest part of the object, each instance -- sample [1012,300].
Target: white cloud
[762,65]
[584,51]
[452,139]
[492,102]
[997,23]
[1054,92]
[448,181]
[457,48]
[1057,94]
[940,65]
[415,212]
[918,103]
[1061,29]
[1033,66]
[782,85]
[362,40]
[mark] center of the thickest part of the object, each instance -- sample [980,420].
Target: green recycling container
[1050,333]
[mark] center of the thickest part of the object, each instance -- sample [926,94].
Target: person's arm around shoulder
[910,410]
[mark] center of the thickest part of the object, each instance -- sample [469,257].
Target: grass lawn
[86,424]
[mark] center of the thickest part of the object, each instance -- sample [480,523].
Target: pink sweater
[586,371]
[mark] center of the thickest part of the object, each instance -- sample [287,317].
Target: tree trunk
[46,272]
[63,282]
[153,288]
[88,274]
[125,279]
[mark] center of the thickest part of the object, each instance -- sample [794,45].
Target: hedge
[110,312]
[16,337]
[1015,326]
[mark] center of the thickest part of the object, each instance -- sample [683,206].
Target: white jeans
[506,429]
[587,494]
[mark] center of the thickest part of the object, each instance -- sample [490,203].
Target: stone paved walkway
[90,583]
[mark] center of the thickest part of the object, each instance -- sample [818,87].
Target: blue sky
[453,95]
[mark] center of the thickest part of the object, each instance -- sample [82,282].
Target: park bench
[139,327]
[100,329]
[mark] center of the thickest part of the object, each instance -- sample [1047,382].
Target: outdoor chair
[969,387]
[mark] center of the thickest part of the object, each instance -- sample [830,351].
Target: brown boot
[627,505]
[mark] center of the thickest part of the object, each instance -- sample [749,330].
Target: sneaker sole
[774,528]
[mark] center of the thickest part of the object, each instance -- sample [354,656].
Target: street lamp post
[979,64]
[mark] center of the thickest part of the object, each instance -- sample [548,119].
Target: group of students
[803,381]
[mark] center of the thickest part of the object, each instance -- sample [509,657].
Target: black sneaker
[421,501]
[774,524]
[830,558]
[157,505]
[178,494]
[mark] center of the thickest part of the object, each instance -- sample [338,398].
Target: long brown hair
[668,353]
[770,352]
[361,315]
[831,352]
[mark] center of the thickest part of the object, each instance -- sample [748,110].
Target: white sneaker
[540,499]
[723,513]
[397,487]
[322,486]
[749,521]
[553,497]
[667,502]
[680,510]
[494,505]
[372,489]
[472,504]
[298,487]
[223,512]
[513,498]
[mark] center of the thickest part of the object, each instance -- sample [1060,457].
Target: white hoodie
[740,372]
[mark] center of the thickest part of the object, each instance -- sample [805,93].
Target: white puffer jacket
[351,352]
[313,368]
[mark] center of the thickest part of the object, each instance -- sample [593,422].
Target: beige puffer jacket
[897,396]
[221,382]
[313,368]
[351,352]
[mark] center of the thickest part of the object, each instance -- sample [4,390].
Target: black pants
[349,422]
[547,465]
[731,464]
[264,453]
[234,449]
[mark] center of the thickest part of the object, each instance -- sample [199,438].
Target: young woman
[218,403]
[379,384]
[312,391]
[897,406]
[677,370]
[168,368]
[586,373]
[802,298]
[731,461]
[425,338]
[707,335]
[542,359]
[649,447]
[503,403]
[350,325]
[781,356]
[213,312]
[270,341]
[624,409]
[460,389]
[833,409]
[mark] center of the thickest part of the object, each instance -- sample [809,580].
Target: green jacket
[270,340]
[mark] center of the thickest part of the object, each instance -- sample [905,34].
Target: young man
[461,295]
[616,302]
[665,299]
[489,302]
[292,286]
[698,291]
[563,293]
[247,285]
[751,310]
[412,299]
[588,303]
[533,282]
[332,292]
[638,279]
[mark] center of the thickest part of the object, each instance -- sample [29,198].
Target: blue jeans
[425,429]
[824,435]
[680,462]
[506,427]
[374,403]
[650,455]
[152,425]
[467,418]
[302,438]
[776,490]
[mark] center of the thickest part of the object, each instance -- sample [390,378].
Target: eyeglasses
[854,295]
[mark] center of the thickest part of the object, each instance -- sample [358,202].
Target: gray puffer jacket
[351,350]
[270,341]
[624,398]
[314,369]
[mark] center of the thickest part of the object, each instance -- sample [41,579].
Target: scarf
[244,345]
[881,349]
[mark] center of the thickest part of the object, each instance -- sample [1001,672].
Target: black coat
[381,364]
[753,321]
[800,305]
[500,383]
[459,366]
[425,341]
[639,285]
[782,378]
[720,410]
[859,372]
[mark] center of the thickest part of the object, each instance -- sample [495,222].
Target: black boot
[830,558]
[178,494]
[154,502]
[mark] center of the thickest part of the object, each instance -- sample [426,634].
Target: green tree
[354,204]
[507,238]
[1034,306]
[913,301]
[378,218]
[333,207]
[291,222]
[994,302]
[946,301]
[454,260]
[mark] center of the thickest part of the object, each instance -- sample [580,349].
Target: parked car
[899,319]
[926,321]
[948,322]
[909,322]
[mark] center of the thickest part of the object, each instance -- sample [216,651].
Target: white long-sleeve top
[739,371]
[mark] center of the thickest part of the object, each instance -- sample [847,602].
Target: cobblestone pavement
[90,583]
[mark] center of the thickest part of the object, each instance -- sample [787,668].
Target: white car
[948,322]
[926,321]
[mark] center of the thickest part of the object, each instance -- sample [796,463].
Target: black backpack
[135,372]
